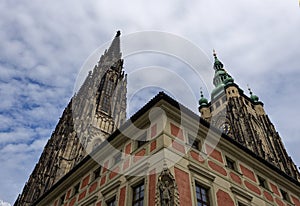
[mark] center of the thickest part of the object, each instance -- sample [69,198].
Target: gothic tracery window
[109,87]
[105,104]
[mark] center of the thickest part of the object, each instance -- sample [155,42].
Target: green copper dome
[203,101]
[218,64]
[253,97]
[221,77]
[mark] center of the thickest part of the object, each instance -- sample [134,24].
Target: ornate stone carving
[166,189]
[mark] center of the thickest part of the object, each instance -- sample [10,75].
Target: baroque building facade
[164,154]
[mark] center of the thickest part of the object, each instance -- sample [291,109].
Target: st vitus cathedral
[74,138]
[249,166]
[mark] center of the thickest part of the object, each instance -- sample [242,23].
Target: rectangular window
[285,195]
[118,157]
[62,199]
[92,203]
[193,142]
[262,182]
[217,104]
[76,188]
[202,195]
[141,140]
[111,202]
[241,204]
[231,163]
[96,173]
[138,195]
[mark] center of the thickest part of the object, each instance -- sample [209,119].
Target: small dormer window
[96,173]
[117,157]
[262,182]
[141,140]
[231,164]
[285,195]
[76,189]
[62,199]
[193,142]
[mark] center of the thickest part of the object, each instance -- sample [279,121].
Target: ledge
[241,193]
[201,172]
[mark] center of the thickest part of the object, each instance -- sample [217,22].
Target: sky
[45,43]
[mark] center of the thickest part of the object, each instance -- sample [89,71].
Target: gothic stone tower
[93,113]
[243,118]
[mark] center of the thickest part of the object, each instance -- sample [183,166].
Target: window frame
[142,139]
[76,189]
[262,182]
[117,157]
[207,195]
[239,203]
[139,200]
[97,173]
[193,141]
[111,200]
[285,195]
[62,199]
[232,162]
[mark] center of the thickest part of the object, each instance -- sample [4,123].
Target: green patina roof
[221,77]
[253,97]
[203,101]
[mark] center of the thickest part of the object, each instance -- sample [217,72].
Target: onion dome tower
[244,119]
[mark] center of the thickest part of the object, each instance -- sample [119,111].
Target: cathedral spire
[217,64]
[114,49]
[221,77]
[98,109]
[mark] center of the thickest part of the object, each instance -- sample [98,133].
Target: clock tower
[244,119]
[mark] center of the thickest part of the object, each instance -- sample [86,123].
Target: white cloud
[2,203]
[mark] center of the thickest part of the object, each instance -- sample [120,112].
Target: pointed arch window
[109,87]
[106,104]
